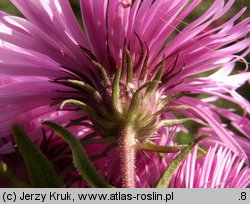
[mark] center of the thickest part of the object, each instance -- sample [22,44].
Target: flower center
[128,96]
[123,108]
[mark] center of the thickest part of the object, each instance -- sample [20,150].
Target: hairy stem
[127,156]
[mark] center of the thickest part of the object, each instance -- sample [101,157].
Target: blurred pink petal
[219,168]
[40,53]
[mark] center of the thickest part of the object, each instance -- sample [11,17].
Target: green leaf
[170,108]
[157,77]
[173,97]
[116,91]
[171,122]
[85,87]
[152,147]
[40,170]
[174,164]
[87,109]
[104,74]
[8,176]
[129,67]
[144,67]
[81,160]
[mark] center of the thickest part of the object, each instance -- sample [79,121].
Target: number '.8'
[243,196]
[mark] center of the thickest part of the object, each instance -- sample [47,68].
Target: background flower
[219,168]
[54,49]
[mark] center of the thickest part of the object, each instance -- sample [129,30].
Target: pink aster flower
[219,168]
[124,75]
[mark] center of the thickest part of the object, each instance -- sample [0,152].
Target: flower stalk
[128,155]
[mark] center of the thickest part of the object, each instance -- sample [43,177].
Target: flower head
[124,77]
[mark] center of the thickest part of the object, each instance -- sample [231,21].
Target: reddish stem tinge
[127,156]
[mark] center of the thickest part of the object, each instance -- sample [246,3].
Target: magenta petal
[219,168]
[42,53]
